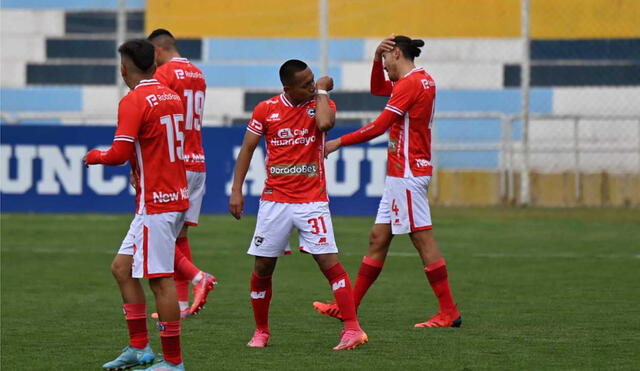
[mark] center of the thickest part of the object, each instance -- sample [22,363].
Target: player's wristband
[323,92]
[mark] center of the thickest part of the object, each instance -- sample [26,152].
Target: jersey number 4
[195,106]
[172,124]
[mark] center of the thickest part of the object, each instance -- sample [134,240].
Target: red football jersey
[413,99]
[295,150]
[151,116]
[187,80]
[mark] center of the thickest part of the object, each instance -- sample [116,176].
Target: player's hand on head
[332,146]
[325,83]
[386,45]
[236,204]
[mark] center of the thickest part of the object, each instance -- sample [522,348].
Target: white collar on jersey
[177,59]
[147,82]
[415,69]
[286,102]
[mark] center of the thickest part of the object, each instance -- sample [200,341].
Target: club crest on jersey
[311,112]
[179,74]
[257,240]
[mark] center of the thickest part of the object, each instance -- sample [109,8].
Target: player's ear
[397,53]
[123,70]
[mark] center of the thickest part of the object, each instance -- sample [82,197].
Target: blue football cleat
[166,366]
[131,357]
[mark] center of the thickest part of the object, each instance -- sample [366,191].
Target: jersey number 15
[172,124]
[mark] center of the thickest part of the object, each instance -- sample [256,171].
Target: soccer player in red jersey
[295,195]
[187,80]
[404,207]
[150,136]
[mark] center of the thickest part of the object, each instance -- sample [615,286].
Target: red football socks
[367,275]
[183,268]
[260,300]
[136,315]
[170,339]
[437,275]
[341,286]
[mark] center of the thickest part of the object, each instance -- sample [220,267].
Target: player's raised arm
[379,84]
[366,133]
[236,201]
[325,113]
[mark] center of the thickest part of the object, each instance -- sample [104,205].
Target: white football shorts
[196,183]
[126,248]
[405,204]
[151,240]
[276,220]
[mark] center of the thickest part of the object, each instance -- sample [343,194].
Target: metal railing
[623,150]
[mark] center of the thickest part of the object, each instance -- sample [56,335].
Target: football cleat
[131,357]
[328,309]
[351,339]
[441,319]
[259,340]
[183,314]
[166,366]
[200,292]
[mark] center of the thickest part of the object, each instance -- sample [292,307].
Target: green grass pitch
[537,288]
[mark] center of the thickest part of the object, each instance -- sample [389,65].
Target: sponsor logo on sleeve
[179,74]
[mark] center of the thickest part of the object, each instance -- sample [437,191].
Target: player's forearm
[379,84]
[118,154]
[370,131]
[325,117]
[242,167]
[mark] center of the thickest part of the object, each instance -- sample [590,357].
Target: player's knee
[161,285]
[377,240]
[120,270]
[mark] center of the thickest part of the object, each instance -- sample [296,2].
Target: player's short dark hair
[410,47]
[141,52]
[289,69]
[162,38]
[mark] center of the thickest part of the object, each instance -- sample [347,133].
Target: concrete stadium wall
[482,188]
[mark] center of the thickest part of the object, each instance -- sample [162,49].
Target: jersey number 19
[195,106]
